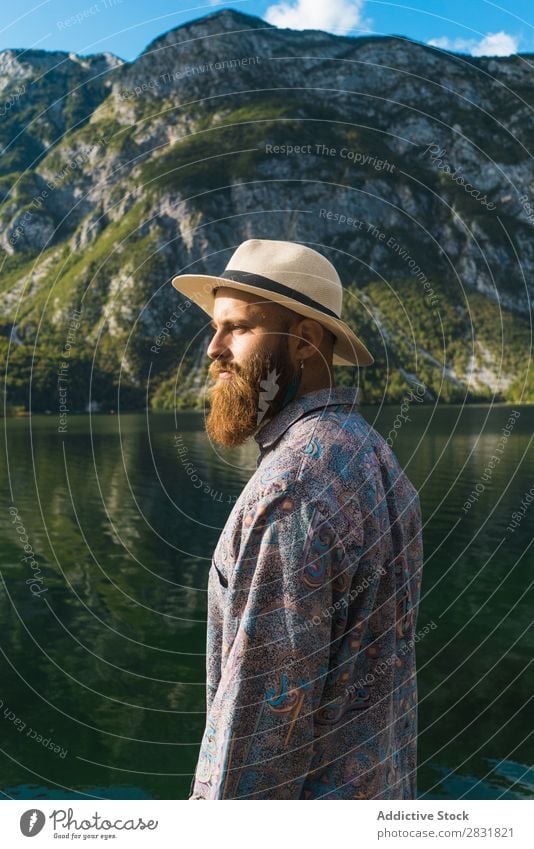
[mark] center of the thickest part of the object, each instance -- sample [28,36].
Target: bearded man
[314,585]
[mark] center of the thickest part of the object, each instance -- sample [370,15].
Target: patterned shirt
[313,594]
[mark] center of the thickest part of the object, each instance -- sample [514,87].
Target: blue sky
[125,27]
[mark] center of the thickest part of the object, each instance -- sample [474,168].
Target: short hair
[293,316]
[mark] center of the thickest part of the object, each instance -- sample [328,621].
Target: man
[314,585]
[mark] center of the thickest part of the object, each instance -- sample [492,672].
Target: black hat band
[278,288]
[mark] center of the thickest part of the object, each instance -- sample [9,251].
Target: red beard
[253,393]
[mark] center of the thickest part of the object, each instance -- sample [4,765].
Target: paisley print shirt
[313,594]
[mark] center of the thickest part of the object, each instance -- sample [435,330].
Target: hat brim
[348,349]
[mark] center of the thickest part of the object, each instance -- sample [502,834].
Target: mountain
[408,166]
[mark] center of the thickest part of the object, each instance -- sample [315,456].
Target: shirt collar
[269,432]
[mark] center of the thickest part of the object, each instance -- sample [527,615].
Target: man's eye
[239,327]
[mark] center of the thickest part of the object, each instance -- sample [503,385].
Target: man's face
[252,366]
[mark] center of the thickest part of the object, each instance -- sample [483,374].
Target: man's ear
[311,334]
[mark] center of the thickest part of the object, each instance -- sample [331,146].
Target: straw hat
[291,274]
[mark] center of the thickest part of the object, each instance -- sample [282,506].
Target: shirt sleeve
[286,583]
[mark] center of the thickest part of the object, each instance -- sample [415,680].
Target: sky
[126,27]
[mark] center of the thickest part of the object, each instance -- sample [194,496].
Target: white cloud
[338,16]
[493,44]
[496,44]
[451,43]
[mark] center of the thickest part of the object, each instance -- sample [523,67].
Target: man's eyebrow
[236,320]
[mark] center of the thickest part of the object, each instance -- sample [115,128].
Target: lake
[103,622]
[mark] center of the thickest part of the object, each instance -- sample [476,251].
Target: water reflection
[109,661]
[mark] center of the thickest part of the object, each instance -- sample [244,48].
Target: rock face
[408,166]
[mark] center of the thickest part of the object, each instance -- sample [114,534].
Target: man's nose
[216,347]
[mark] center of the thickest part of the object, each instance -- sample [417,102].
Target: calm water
[102,656]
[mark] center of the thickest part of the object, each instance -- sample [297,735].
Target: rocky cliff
[408,166]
